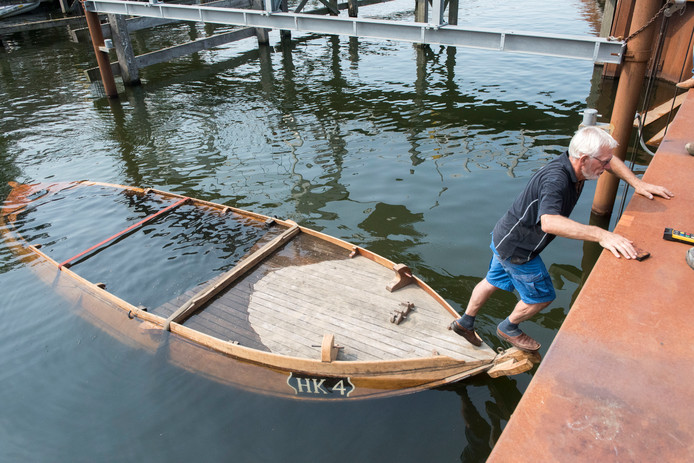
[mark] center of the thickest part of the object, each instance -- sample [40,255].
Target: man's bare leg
[480,295]
[509,330]
[465,325]
[522,311]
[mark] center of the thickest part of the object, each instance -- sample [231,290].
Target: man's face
[593,167]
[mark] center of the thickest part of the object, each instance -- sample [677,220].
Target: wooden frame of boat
[380,355]
[15,9]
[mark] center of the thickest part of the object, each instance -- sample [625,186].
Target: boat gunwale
[412,373]
[406,368]
[288,223]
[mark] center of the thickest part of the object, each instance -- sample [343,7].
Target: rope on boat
[121,233]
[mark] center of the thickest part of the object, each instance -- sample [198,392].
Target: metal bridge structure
[434,32]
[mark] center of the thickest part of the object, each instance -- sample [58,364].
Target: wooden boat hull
[272,322]
[17,9]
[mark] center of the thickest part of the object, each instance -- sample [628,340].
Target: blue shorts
[531,280]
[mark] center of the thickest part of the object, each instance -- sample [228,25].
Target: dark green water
[411,154]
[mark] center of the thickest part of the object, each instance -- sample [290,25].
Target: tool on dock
[641,254]
[676,235]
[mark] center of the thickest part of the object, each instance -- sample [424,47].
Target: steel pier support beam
[598,50]
[101,56]
[636,58]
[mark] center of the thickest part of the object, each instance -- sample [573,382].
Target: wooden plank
[176,51]
[36,25]
[316,315]
[239,270]
[302,294]
[657,138]
[313,283]
[242,336]
[662,109]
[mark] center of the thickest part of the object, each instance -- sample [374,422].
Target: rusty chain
[645,26]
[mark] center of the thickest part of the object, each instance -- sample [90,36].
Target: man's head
[591,151]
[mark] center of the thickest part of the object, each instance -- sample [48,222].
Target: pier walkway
[617,383]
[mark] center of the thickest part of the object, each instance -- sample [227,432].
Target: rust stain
[617,382]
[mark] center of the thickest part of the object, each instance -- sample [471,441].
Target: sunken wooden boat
[279,308]
[15,9]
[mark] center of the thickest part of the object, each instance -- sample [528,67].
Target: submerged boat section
[243,298]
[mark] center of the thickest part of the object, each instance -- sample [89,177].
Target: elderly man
[538,215]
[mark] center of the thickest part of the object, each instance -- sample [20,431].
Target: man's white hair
[589,141]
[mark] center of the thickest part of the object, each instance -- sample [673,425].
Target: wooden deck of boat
[312,287]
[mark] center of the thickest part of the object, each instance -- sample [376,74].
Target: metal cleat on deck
[399,315]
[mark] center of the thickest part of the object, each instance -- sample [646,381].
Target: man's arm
[563,226]
[618,168]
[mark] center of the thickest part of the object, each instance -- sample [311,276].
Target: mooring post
[261,33]
[453,12]
[421,11]
[285,34]
[421,15]
[102,58]
[124,49]
[636,58]
[352,8]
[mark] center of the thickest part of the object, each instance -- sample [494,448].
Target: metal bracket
[399,315]
[676,6]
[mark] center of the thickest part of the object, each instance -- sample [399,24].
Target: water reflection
[414,153]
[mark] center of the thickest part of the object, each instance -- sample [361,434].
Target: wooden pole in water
[636,58]
[101,56]
[453,12]
[129,70]
[353,8]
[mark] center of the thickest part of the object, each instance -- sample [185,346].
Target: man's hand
[618,245]
[618,168]
[648,190]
